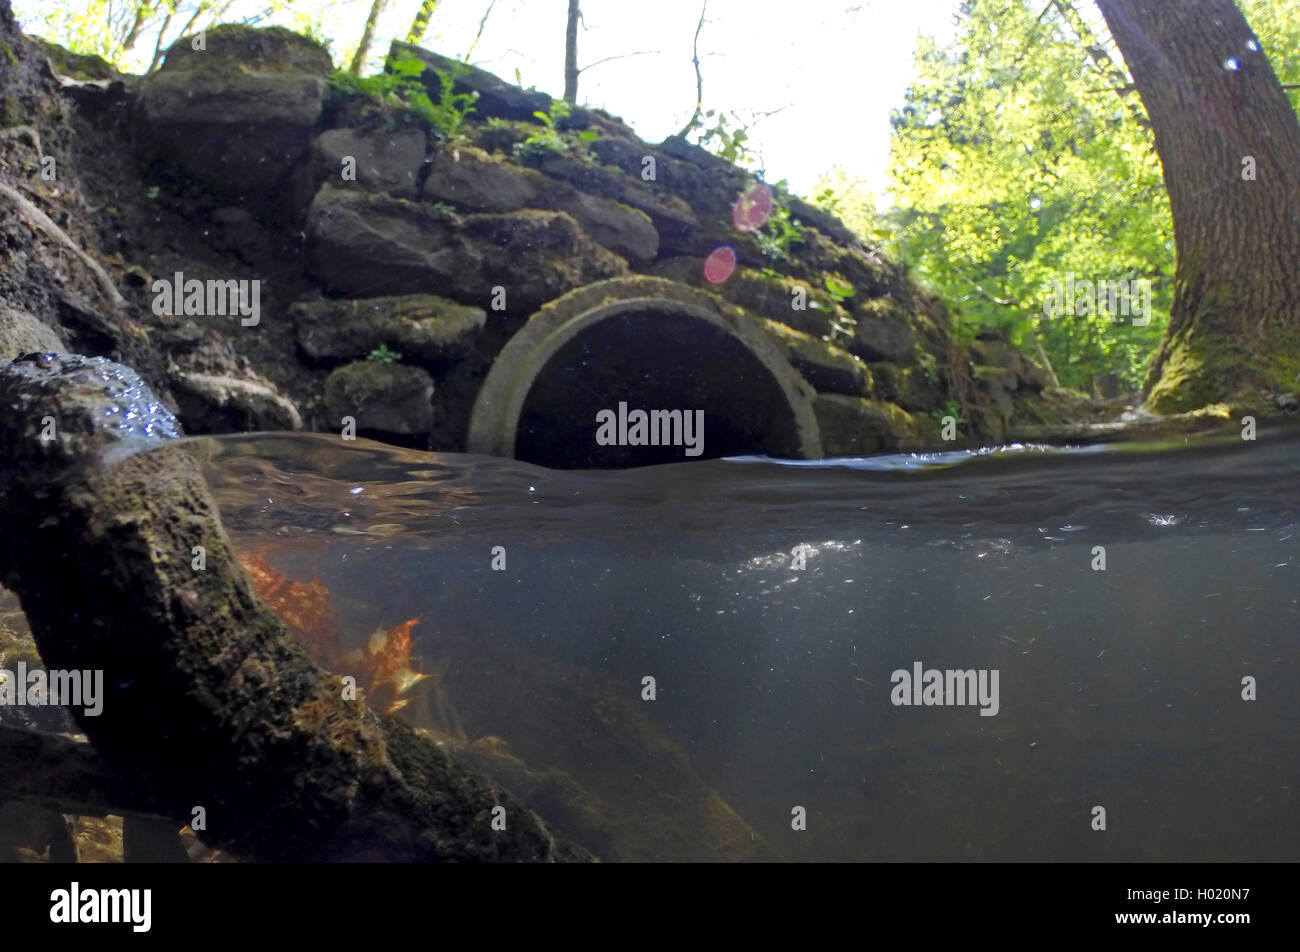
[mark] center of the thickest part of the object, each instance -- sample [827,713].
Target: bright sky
[836,66]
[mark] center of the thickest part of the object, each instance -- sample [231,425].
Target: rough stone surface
[765,295]
[237,115]
[882,332]
[851,426]
[672,217]
[221,403]
[496,98]
[383,397]
[362,244]
[474,181]
[827,368]
[386,161]
[912,388]
[420,326]
[992,348]
[21,333]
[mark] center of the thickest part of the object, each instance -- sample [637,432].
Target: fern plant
[400,85]
[549,141]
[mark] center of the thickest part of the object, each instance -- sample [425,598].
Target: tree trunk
[421,22]
[1229,144]
[571,54]
[207,702]
[367,37]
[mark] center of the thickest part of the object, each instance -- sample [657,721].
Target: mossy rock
[826,367]
[852,426]
[233,48]
[883,331]
[420,326]
[381,397]
[79,66]
[911,387]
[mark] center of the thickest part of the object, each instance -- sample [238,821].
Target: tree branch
[699,77]
[618,57]
[479,35]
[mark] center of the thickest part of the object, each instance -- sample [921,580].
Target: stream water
[775,606]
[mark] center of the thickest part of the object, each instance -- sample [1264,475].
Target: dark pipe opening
[652,361]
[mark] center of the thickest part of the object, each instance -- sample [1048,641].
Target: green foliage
[400,74]
[549,140]
[383,355]
[780,231]
[126,34]
[1277,27]
[1019,159]
[849,200]
[400,85]
[840,291]
[725,140]
[950,409]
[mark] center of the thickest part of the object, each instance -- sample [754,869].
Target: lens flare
[720,264]
[752,208]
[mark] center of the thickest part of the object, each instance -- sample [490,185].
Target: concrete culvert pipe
[566,390]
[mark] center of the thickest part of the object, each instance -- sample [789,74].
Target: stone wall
[393,262]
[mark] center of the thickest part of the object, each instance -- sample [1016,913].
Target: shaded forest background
[1021,155]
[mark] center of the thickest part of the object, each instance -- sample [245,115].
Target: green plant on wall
[549,141]
[383,355]
[400,85]
[780,231]
[839,290]
[725,140]
[950,409]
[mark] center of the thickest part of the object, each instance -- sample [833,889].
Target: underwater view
[772,604]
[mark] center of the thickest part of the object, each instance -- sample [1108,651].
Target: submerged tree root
[208,703]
